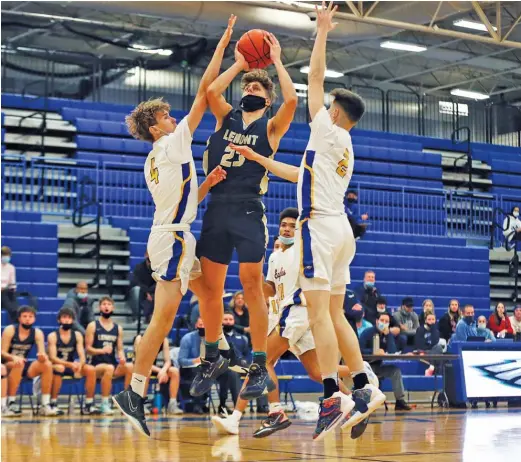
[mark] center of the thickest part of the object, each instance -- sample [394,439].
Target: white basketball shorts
[294,326]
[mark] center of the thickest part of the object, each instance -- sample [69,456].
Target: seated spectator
[64,345]
[407,319]
[167,375]
[448,322]
[483,331]
[387,346]
[499,323]
[189,359]
[79,301]
[352,208]
[367,293]
[352,309]
[141,295]
[9,302]
[17,343]
[467,326]
[427,307]
[427,339]
[381,307]
[230,381]
[512,228]
[362,325]
[515,321]
[104,342]
[240,313]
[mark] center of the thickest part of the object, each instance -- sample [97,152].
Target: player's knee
[47,366]
[88,370]
[60,368]
[173,372]
[129,367]
[108,370]
[251,280]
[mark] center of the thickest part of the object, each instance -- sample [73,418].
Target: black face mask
[201,331]
[106,315]
[227,329]
[26,326]
[250,103]
[66,326]
[352,200]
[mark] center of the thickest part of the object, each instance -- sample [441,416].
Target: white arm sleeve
[179,147]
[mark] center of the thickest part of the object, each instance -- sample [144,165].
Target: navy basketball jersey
[66,351]
[20,347]
[102,338]
[245,178]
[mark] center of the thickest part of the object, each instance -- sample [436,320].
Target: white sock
[223,343]
[4,402]
[275,407]
[138,383]
[105,400]
[89,400]
[11,399]
[333,376]
[237,415]
[172,401]
[46,399]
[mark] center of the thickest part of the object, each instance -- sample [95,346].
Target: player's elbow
[292,101]
[212,93]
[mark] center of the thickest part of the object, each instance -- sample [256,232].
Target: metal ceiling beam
[475,79]
[435,15]
[512,27]
[370,10]
[446,66]
[508,90]
[498,19]
[353,8]
[481,14]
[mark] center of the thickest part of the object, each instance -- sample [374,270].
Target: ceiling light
[328,73]
[308,6]
[402,46]
[469,94]
[300,86]
[472,25]
[144,49]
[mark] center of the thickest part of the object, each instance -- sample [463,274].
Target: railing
[91,78]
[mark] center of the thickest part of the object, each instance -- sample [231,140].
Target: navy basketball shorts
[233,225]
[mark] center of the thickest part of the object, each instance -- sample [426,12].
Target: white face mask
[515,214]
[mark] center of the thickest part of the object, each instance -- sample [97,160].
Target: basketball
[255,49]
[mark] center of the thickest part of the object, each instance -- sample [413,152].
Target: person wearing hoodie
[467,326]
[407,319]
[79,301]
[448,322]
[512,228]
[367,293]
[483,331]
[427,339]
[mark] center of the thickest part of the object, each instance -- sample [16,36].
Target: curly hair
[261,76]
[143,117]
[66,311]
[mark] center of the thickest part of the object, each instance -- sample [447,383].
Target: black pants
[10,304]
[229,382]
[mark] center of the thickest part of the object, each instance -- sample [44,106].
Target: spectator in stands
[387,346]
[78,299]
[64,344]
[141,296]
[483,331]
[240,313]
[448,322]
[367,294]
[167,375]
[467,326]
[515,321]
[352,208]
[427,307]
[427,339]
[399,338]
[17,343]
[512,227]
[189,358]
[230,381]
[362,325]
[499,323]
[407,319]
[9,302]
[353,310]
[104,342]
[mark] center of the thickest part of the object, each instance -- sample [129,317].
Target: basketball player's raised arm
[281,121]
[280,169]
[212,71]
[218,104]
[317,64]
[7,338]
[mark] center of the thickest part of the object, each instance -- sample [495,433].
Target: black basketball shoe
[133,408]
[207,373]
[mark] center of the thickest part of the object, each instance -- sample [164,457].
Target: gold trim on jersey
[180,239]
[183,185]
[302,246]
[205,157]
[265,180]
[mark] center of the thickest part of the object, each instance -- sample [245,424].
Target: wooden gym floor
[418,436]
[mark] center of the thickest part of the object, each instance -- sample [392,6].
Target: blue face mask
[482,327]
[287,240]
[369,285]
[382,325]
[6,259]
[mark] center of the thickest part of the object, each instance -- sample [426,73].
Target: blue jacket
[189,349]
[425,339]
[365,325]
[464,331]
[239,343]
[387,342]
[487,333]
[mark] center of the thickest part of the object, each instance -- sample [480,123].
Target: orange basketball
[255,49]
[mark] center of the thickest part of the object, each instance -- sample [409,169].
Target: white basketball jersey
[283,272]
[325,170]
[171,177]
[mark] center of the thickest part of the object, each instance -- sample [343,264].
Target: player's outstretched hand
[225,39]
[217,175]
[325,16]
[240,59]
[275,50]
[245,151]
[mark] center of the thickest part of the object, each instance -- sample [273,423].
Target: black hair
[384,313]
[512,211]
[496,314]
[66,311]
[290,212]
[352,191]
[26,309]
[352,104]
